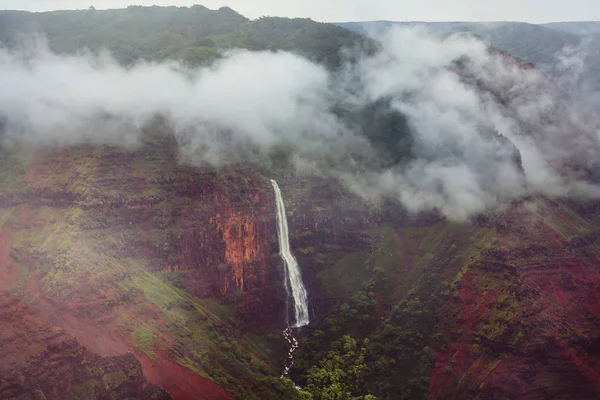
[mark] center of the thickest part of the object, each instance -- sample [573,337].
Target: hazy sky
[535,11]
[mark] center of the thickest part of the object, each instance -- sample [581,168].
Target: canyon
[138,271]
[184,271]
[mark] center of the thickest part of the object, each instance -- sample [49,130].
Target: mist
[575,69]
[482,129]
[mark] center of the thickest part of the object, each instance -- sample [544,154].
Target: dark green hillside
[194,34]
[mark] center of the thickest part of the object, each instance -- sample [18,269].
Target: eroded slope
[40,361]
[129,251]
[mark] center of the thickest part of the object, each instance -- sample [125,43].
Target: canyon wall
[526,310]
[130,251]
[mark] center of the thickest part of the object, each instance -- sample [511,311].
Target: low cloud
[418,122]
[575,69]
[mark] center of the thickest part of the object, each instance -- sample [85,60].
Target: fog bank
[455,101]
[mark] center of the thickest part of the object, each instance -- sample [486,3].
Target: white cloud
[249,104]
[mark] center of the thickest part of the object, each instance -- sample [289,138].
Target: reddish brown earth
[179,381]
[9,270]
[528,325]
[40,360]
[214,247]
[524,309]
[102,339]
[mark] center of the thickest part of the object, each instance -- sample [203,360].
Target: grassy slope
[77,263]
[408,262]
[520,311]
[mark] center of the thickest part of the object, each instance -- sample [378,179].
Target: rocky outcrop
[211,228]
[40,361]
[528,313]
[326,222]
[585,240]
[130,250]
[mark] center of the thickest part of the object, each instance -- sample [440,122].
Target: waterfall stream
[293,276]
[293,279]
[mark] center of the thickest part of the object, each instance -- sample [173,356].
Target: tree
[341,374]
[92,8]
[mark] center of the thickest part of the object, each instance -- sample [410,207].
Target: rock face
[40,361]
[210,229]
[528,308]
[325,223]
[129,251]
[515,293]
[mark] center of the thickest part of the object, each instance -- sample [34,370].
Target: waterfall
[293,278]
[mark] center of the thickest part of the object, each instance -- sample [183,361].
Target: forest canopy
[194,35]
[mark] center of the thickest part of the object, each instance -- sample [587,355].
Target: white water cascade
[292,270]
[293,280]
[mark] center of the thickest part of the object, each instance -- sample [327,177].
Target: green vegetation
[380,335]
[380,339]
[89,254]
[402,351]
[340,373]
[354,355]
[194,35]
[107,227]
[13,169]
[144,341]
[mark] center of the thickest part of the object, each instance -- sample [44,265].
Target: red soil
[559,296]
[182,383]
[9,270]
[97,339]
